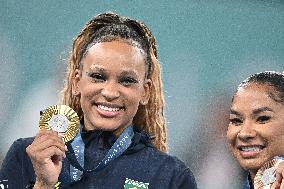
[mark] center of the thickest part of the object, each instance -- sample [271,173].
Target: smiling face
[256,129]
[111,85]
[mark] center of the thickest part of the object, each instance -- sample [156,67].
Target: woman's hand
[279,183]
[47,152]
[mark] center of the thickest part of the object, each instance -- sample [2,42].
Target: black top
[140,164]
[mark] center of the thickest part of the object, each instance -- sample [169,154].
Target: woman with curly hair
[114,84]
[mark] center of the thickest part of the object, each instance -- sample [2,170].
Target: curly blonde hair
[108,27]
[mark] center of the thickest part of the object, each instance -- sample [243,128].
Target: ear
[146,94]
[76,82]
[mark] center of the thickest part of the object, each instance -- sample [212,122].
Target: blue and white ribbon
[119,147]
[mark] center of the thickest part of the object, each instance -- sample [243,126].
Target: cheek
[272,133]
[232,133]
[88,91]
[86,97]
[276,142]
[134,95]
[134,100]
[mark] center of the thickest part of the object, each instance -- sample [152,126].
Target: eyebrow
[130,72]
[96,67]
[262,109]
[235,112]
[123,73]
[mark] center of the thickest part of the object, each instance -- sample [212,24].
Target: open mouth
[253,148]
[250,151]
[109,110]
[109,106]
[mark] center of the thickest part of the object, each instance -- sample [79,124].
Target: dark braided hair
[108,27]
[270,78]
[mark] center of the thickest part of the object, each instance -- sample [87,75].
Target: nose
[110,91]
[247,131]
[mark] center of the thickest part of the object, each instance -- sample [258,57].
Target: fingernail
[66,149]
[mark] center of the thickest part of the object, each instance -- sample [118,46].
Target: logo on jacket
[4,184]
[132,184]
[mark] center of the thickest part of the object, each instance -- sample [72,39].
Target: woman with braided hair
[114,84]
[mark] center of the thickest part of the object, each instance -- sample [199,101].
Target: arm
[185,180]
[12,170]
[179,175]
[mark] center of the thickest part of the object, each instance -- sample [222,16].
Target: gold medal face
[265,176]
[62,119]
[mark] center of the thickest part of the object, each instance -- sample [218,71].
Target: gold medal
[265,176]
[62,119]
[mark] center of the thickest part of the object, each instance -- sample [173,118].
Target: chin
[251,164]
[108,127]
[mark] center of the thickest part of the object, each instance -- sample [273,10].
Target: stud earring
[142,102]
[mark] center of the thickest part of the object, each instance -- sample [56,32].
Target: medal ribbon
[78,146]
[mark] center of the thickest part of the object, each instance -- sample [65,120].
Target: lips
[255,148]
[250,151]
[109,110]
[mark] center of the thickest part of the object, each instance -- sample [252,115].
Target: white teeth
[250,148]
[108,108]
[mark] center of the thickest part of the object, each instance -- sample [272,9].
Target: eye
[263,119]
[236,121]
[127,81]
[96,77]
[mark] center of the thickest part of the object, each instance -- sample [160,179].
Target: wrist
[43,185]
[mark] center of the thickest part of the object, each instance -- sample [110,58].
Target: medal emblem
[62,119]
[132,184]
[265,176]
[4,184]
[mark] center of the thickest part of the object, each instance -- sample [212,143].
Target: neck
[252,174]
[117,132]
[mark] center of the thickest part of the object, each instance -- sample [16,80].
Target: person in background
[114,83]
[256,130]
